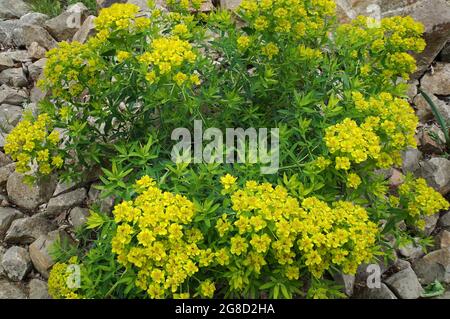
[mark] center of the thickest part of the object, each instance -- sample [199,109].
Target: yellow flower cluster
[386,46]
[421,199]
[270,229]
[120,17]
[33,141]
[155,236]
[342,236]
[166,56]
[58,279]
[352,143]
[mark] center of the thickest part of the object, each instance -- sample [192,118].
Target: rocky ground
[32,218]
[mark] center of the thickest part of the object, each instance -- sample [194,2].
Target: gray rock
[438,82]
[437,173]
[37,95]
[65,201]
[13,9]
[434,266]
[10,115]
[20,56]
[12,96]
[16,263]
[38,289]
[9,290]
[28,229]
[36,69]
[2,252]
[405,284]
[26,196]
[5,172]
[64,26]
[31,107]
[6,32]
[430,224]
[443,240]
[375,293]
[40,251]
[445,54]
[6,62]
[4,160]
[7,216]
[230,4]
[26,34]
[94,197]
[347,282]
[411,251]
[86,30]
[78,216]
[412,90]
[13,77]
[444,221]
[36,52]
[35,18]
[424,112]
[411,158]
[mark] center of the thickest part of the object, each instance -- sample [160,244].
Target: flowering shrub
[336,94]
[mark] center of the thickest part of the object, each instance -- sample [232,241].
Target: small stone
[37,95]
[13,77]
[28,229]
[438,82]
[396,179]
[26,196]
[16,263]
[40,251]
[411,158]
[443,240]
[38,289]
[18,56]
[5,171]
[36,69]
[4,159]
[405,284]
[437,173]
[36,52]
[444,221]
[10,115]
[87,29]
[347,281]
[6,62]
[7,216]
[412,90]
[9,290]
[12,96]
[375,293]
[434,266]
[424,111]
[411,251]
[63,187]
[65,201]
[78,216]
[429,144]
[430,224]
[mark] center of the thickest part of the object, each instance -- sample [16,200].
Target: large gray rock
[86,30]
[36,52]
[40,251]
[411,251]
[35,18]
[9,290]
[10,115]
[442,240]
[9,95]
[13,9]
[65,201]
[27,230]
[437,173]
[26,196]
[26,34]
[405,284]
[38,289]
[5,172]
[434,266]
[4,160]
[6,62]
[13,77]
[438,82]
[444,221]
[16,263]
[375,293]
[21,56]
[7,216]
[2,252]
[64,26]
